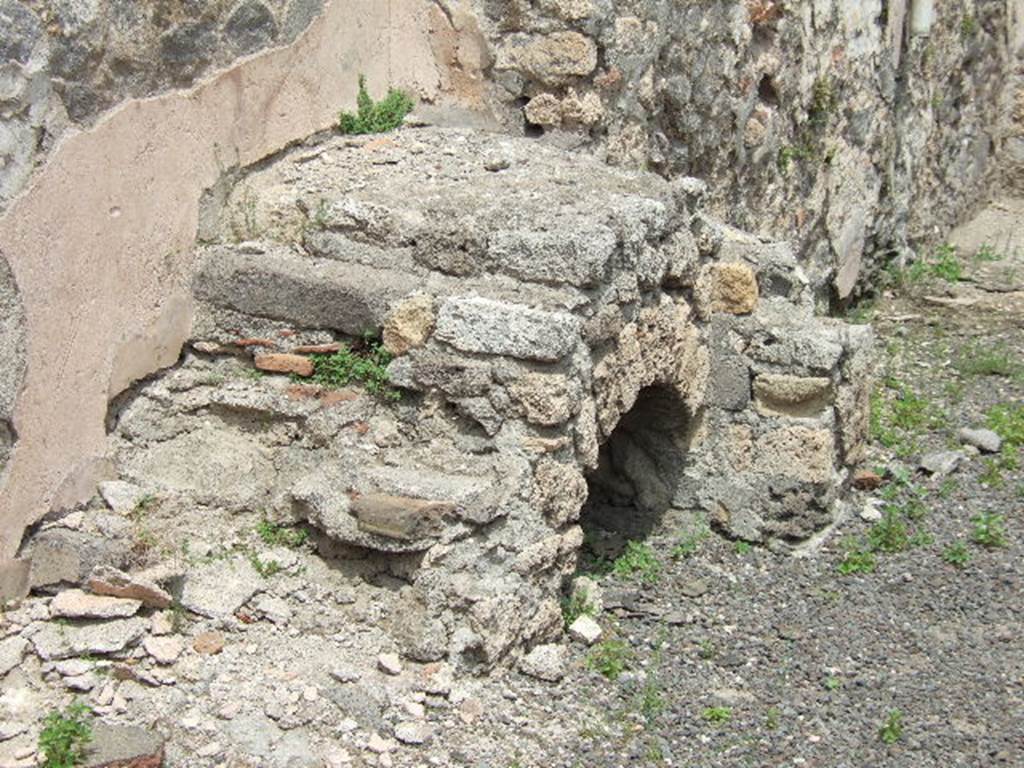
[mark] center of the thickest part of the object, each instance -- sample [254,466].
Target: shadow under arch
[639,470]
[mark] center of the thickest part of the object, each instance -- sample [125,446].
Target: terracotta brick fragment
[282,363]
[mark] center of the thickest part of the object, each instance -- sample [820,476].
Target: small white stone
[871,513]
[164,650]
[415,709]
[585,630]
[379,744]
[412,733]
[345,674]
[545,662]
[161,623]
[230,710]
[347,726]
[120,496]
[310,693]
[390,663]
[211,749]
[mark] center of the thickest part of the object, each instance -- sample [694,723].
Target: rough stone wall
[823,122]
[99,243]
[831,124]
[63,63]
[540,306]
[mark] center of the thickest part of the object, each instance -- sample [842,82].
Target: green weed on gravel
[64,737]
[277,535]
[1007,421]
[892,729]
[610,657]
[899,416]
[957,555]
[690,541]
[858,559]
[717,715]
[375,116]
[989,530]
[995,360]
[638,559]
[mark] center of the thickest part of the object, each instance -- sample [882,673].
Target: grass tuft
[375,116]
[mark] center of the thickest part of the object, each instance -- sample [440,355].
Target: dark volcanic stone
[251,27]
[19,31]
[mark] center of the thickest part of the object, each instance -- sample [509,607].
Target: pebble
[379,744]
[208,643]
[389,663]
[164,650]
[984,440]
[872,512]
[545,662]
[585,630]
[412,733]
[694,588]
[345,674]
[941,462]
[161,623]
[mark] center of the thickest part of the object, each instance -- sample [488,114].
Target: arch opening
[638,473]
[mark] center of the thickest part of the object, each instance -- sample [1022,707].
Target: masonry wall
[830,123]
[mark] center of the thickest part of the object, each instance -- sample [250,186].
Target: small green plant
[367,363]
[638,559]
[689,543]
[265,568]
[833,683]
[988,254]
[858,558]
[575,605]
[968,26]
[773,718]
[890,533]
[989,530]
[64,737]
[143,505]
[717,715]
[1008,460]
[957,555]
[892,729]
[277,535]
[994,360]
[1007,421]
[652,700]
[743,547]
[706,648]
[610,657]
[945,264]
[375,116]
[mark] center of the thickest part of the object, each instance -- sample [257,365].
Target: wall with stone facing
[99,242]
[824,122]
[832,124]
[552,320]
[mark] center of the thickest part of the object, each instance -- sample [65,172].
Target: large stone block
[549,58]
[400,517]
[577,253]
[797,396]
[474,324]
[281,285]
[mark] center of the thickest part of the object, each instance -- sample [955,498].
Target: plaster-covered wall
[100,242]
